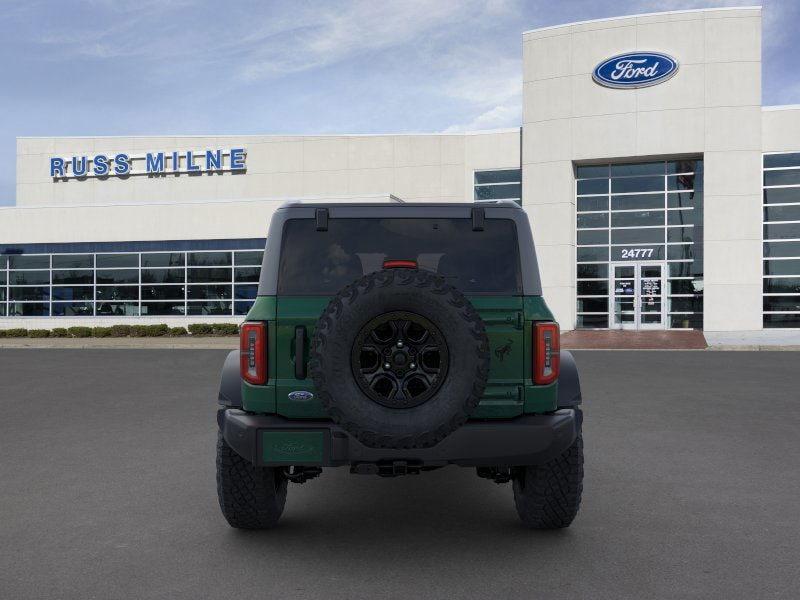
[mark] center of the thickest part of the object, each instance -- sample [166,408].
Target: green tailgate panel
[508,394]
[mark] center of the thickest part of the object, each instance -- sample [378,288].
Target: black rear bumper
[526,440]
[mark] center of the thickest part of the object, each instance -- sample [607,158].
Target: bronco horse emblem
[503,351]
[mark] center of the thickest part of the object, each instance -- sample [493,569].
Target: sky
[172,67]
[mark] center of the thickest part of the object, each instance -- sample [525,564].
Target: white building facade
[667,197]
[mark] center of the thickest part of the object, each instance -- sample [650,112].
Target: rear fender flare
[230,385]
[569,384]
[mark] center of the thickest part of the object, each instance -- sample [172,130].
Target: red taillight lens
[253,353]
[546,352]
[399,264]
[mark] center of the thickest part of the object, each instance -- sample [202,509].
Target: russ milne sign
[635,70]
[152,163]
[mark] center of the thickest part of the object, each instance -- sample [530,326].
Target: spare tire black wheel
[400,359]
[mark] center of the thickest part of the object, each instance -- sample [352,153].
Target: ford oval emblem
[300,396]
[635,70]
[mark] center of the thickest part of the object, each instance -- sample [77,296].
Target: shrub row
[123,331]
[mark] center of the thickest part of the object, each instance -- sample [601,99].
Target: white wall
[712,106]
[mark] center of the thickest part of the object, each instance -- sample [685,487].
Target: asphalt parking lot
[107,491]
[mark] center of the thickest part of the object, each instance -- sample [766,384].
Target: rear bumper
[269,440]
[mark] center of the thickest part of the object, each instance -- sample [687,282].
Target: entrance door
[637,300]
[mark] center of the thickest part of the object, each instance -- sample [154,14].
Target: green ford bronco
[397,338]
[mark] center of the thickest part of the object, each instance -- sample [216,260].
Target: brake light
[253,353]
[399,264]
[546,352]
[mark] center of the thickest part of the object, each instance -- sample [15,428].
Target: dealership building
[661,193]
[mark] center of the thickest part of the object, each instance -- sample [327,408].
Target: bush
[149,330]
[225,328]
[177,331]
[80,332]
[16,332]
[59,332]
[201,329]
[38,333]
[138,331]
[101,332]
[120,330]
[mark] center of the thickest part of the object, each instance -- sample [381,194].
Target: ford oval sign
[635,70]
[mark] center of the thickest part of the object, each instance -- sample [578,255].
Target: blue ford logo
[635,70]
[300,396]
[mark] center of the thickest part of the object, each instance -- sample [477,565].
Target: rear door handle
[299,352]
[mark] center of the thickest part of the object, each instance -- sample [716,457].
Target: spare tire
[400,358]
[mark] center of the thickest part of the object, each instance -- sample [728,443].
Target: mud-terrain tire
[548,496]
[451,319]
[250,497]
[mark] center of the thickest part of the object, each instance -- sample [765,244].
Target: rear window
[322,262]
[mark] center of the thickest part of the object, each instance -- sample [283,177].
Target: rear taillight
[253,353]
[546,352]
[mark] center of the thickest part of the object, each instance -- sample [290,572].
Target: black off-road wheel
[548,496]
[250,497]
[400,359]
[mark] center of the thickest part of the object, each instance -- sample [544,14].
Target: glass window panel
[3,308]
[29,293]
[782,303]
[637,236]
[78,292]
[596,203]
[782,267]
[781,249]
[592,186]
[686,321]
[624,271]
[113,261]
[648,168]
[72,309]
[245,292]
[638,251]
[209,259]
[117,309]
[684,166]
[28,309]
[782,213]
[587,171]
[789,159]
[248,274]
[592,236]
[683,182]
[29,277]
[118,292]
[592,271]
[590,254]
[118,276]
[680,234]
[782,285]
[637,219]
[2,277]
[2,294]
[679,252]
[593,305]
[209,275]
[498,192]
[682,217]
[637,202]
[782,231]
[782,195]
[684,199]
[164,259]
[209,292]
[498,176]
[163,276]
[684,286]
[593,220]
[248,258]
[592,288]
[788,177]
[162,292]
[637,184]
[162,309]
[73,261]
[73,277]
[788,320]
[209,308]
[23,261]
[242,307]
[3,261]
[681,269]
[593,321]
[694,304]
